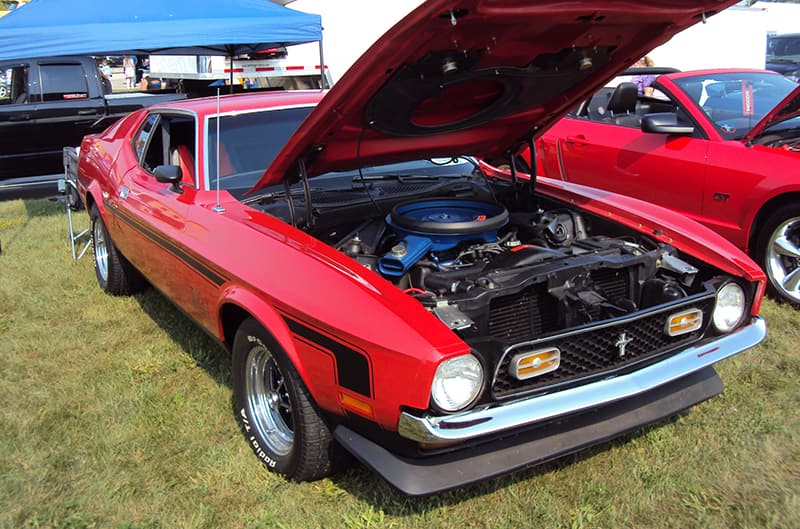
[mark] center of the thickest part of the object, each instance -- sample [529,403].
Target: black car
[783,55]
[3,85]
[52,103]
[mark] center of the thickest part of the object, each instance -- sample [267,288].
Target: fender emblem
[622,343]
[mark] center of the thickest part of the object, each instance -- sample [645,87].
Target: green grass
[116,412]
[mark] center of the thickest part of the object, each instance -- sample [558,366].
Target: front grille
[596,350]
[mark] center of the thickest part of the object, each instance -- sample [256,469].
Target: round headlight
[730,307]
[457,383]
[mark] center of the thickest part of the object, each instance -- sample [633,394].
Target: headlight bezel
[453,364]
[721,323]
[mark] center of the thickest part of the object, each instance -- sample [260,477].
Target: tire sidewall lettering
[255,444]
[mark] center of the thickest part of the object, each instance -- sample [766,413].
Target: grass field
[116,412]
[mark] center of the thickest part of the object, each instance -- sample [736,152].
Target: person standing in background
[129,70]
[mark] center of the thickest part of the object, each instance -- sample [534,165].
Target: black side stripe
[170,247]
[352,367]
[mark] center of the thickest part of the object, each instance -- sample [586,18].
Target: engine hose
[451,280]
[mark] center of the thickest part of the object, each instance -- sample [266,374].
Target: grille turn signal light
[534,363]
[684,322]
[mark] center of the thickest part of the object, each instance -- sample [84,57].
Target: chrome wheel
[268,400]
[783,259]
[100,249]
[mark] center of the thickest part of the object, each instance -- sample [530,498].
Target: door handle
[90,112]
[579,140]
[19,117]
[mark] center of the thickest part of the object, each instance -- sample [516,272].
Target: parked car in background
[383,298]
[52,103]
[783,55]
[719,146]
[3,85]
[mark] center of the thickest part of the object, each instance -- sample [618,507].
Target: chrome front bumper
[499,418]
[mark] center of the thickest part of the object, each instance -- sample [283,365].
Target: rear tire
[279,419]
[115,275]
[777,250]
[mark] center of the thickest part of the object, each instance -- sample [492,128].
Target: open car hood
[786,109]
[476,77]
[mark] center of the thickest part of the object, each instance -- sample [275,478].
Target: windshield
[250,141]
[248,144]
[736,102]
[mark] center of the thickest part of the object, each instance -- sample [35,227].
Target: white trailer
[351,26]
[296,67]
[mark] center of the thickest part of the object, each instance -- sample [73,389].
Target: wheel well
[764,212]
[231,317]
[90,201]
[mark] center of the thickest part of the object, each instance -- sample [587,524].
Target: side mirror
[665,123]
[169,174]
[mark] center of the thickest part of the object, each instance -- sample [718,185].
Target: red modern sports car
[380,295]
[719,146]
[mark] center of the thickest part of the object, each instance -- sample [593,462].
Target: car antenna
[218,207]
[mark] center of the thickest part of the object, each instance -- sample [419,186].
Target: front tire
[778,252]
[115,275]
[279,419]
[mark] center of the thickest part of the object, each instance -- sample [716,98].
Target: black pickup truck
[50,103]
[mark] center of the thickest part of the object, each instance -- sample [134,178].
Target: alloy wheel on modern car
[783,259]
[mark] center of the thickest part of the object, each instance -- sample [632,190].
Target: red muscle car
[381,296]
[719,146]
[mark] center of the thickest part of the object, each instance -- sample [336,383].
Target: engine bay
[492,260]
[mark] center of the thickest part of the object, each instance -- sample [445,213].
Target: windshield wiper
[404,177]
[274,195]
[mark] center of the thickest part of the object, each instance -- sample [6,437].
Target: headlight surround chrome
[457,383]
[730,307]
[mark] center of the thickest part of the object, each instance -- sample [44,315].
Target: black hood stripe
[166,244]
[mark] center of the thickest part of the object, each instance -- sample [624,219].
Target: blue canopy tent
[45,28]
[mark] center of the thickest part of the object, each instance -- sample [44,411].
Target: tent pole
[322,82]
[231,80]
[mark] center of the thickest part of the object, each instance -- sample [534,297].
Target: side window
[14,85]
[140,142]
[154,150]
[167,140]
[63,81]
[180,138]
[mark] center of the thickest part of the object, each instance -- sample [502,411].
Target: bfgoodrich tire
[279,419]
[777,250]
[115,274]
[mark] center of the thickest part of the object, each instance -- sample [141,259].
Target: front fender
[314,367]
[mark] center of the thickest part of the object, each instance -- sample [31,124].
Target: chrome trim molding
[490,420]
